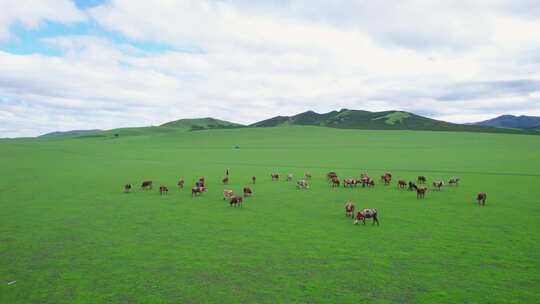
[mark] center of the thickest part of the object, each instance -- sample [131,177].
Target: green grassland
[69,235]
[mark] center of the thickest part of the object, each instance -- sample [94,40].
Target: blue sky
[117,63]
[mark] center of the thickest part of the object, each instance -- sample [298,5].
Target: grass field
[69,235]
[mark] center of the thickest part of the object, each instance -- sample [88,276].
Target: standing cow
[247,191]
[438,185]
[454,181]
[402,184]
[236,201]
[422,179]
[127,187]
[275,176]
[349,209]
[197,191]
[364,214]
[163,190]
[146,185]
[331,175]
[302,184]
[335,182]
[481,198]
[421,192]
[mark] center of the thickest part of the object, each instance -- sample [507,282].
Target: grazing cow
[254,179]
[438,185]
[181,184]
[421,192]
[127,187]
[289,177]
[481,198]
[454,181]
[335,182]
[275,176]
[422,179]
[349,209]
[302,184]
[236,201]
[247,191]
[363,214]
[412,186]
[225,180]
[227,194]
[386,180]
[197,190]
[146,185]
[163,190]
[402,183]
[308,175]
[331,175]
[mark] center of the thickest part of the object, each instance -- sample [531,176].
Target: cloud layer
[135,64]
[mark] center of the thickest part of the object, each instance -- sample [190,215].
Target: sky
[102,64]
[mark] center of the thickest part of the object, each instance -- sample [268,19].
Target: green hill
[201,123]
[387,120]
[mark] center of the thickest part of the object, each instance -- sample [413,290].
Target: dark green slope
[386,120]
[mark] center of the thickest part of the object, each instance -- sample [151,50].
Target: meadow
[68,233]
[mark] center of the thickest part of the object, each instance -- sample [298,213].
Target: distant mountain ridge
[68,133]
[386,120]
[512,121]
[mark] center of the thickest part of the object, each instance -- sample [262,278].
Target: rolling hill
[201,123]
[69,133]
[387,120]
[511,121]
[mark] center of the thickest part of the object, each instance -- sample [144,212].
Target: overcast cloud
[119,63]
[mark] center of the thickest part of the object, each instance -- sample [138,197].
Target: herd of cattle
[365,181]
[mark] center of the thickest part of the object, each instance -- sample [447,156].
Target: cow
[454,181]
[331,175]
[227,194]
[127,187]
[197,190]
[254,179]
[146,185]
[236,201]
[302,184]
[247,191]
[349,182]
[308,175]
[289,177]
[412,186]
[225,180]
[402,183]
[335,182]
[421,192]
[364,214]
[200,182]
[365,180]
[386,179]
[438,185]
[421,179]
[349,209]
[275,176]
[163,190]
[181,184]
[481,198]
[371,183]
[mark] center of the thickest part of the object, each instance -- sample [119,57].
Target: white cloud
[249,60]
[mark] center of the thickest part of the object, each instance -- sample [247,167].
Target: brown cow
[438,185]
[421,192]
[302,184]
[127,187]
[181,184]
[197,190]
[146,185]
[386,179]
[349,209]
[335,182]
[254,179]
[363,214]
[371,183]
[163,190]
[275,176]
[412,186]
[422,179]
[454,181]
[349,182]
[236,201]
[227,194]
[247,191]
[225,180]
[481,198]
[402,183]
[331,175]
